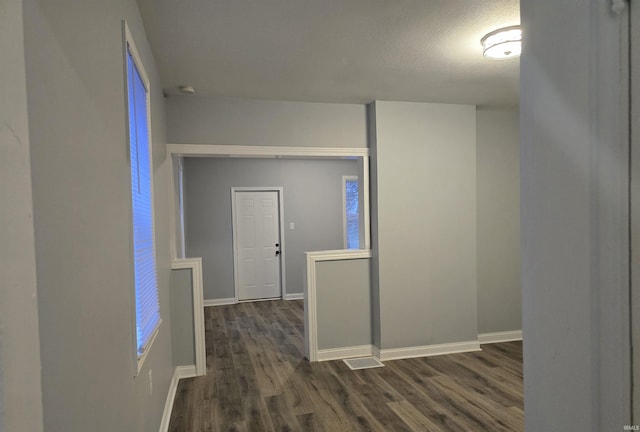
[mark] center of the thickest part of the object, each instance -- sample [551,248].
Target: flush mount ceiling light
[503,43]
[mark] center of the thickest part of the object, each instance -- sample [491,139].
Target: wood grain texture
[258,380]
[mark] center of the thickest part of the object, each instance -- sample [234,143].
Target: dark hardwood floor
[258,380]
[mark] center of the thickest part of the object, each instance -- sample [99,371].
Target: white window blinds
[146,281]
[352,218]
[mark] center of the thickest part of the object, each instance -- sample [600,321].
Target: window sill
[142,357]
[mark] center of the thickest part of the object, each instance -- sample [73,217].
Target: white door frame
[280,191]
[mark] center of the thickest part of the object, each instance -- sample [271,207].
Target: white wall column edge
[195,265]
[310,295]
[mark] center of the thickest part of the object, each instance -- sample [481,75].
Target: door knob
[277,253]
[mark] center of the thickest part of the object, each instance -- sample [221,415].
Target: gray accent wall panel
[343,303]
[425,247]
[498,188]
[184,345]
[223,121]
[312,201]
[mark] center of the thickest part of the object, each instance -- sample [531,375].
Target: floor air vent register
[363,363]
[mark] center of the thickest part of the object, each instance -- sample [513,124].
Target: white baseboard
[186,371]
[426,350]
[168,404]
[294,296]
[219,302]
[179,373]
[497,337]
[345,352]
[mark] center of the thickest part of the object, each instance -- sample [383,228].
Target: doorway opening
[305,223]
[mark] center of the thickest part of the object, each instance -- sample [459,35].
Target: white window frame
[345,238]
[130,47]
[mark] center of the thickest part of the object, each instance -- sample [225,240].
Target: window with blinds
[351,216]
[145,277]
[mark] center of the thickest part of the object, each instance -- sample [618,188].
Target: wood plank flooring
[258,380]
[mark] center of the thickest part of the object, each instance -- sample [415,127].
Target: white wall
[498,247]
[20,389]
[574,172]
[200,120]
[80,173]
[424,223]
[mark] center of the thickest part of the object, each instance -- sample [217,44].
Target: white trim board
[345,352]
[310,295]
[497,337]
[188,371]
[426,350]
[179,373]
[168,404]
[265,151]
[294,296]
[195,265]
[220,302]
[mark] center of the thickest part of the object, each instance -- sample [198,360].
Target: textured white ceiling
[334,50]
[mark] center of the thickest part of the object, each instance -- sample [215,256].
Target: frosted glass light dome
[503,43]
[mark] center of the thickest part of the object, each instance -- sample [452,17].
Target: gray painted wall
[200,120]
[178,191]
[80,174]
[498,194]
[312,200]
[375,244]
[574,172]
[183,338]
[343,303]
[20,389]
[425,245]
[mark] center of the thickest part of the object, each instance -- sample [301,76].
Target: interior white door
[258,245]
